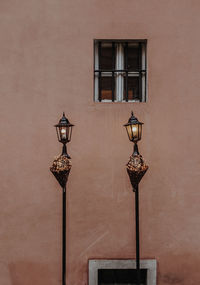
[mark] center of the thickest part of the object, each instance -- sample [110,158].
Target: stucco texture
[46,67]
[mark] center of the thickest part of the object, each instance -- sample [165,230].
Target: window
[120,71]
[121,271]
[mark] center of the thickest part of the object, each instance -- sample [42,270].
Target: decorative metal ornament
[61,168]
[136,169]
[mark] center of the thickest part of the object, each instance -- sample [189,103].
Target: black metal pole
[64,150]
[64,237]
[137,230]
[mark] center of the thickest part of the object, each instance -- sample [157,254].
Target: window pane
[106,58]
[106,88]
[133,55]
[133,88]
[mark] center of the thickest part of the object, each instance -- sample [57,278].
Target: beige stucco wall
[46,67]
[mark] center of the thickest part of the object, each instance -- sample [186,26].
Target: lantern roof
[64,122]
[133,121]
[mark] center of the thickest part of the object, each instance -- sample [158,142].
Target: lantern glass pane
[58,133]
[139,131]
[64,133]
[129,132]
[134,132]
[70,133]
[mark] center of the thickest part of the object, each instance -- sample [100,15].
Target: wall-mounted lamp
[61,168]
[136,169]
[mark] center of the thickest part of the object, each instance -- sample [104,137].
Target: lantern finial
[63,114]
[132,113]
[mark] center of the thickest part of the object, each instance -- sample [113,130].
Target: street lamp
[61,168]
[136,169]
[64,133]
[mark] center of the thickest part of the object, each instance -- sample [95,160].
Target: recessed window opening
[120,71]
[121,277]
[121,272]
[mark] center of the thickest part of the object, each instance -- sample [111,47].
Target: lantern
[134,129]
[64,133]
[64,130]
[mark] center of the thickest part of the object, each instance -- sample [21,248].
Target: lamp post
[61,169]
[136,169]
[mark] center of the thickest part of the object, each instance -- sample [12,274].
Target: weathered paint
[46,67]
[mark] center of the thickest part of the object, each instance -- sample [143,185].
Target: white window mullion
[119,75]
[96,76]
[144,76]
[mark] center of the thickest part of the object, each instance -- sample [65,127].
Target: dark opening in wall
[121,272]
[121,276]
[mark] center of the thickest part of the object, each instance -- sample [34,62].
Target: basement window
[121,272]
[120,73]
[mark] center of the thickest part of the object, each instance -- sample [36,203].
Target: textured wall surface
[46,66]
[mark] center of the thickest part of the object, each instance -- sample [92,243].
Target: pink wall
[46,66]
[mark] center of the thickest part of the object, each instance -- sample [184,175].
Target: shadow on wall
[171,278]
[184,270]
[29,273]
